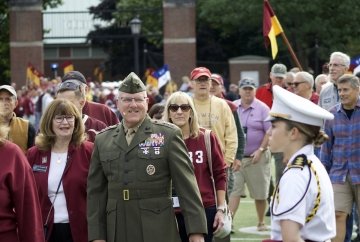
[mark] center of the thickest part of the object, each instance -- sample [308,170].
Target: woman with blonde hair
[60,160]
[180,110]
[20,213]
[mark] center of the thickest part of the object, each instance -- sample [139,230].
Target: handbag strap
[56,193]
[209,159]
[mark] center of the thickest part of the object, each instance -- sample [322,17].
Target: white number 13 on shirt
[198,157]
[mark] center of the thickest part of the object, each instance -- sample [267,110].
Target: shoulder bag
[226,229]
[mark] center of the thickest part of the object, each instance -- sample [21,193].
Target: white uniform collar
[306,150]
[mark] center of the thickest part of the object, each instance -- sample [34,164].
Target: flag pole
[272,28]
[293,55]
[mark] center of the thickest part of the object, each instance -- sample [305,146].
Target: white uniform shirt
[292,187]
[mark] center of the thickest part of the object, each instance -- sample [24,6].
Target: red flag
[99,74]
[271,28]
[33,75]
[67,66]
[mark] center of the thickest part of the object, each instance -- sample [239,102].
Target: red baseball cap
[217,78]
[200,71]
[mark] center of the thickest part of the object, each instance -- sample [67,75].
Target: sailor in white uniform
[302,208]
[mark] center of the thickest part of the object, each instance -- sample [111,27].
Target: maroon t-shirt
[198,156]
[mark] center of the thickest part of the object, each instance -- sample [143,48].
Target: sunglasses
[202,80]
[183,107]
[295,84]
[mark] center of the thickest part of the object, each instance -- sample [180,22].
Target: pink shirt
[254,119]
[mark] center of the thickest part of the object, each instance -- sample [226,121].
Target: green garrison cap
[132,84]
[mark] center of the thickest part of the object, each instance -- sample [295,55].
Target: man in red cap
[214,113]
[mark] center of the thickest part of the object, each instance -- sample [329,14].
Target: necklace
[58,160]
[59,157]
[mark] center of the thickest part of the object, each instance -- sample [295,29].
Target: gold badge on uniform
[150,169]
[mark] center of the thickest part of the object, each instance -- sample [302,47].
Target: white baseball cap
[290,106]
[9,89]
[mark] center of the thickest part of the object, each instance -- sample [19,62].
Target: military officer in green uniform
[132,169]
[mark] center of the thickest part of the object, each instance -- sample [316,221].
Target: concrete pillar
[179,37]
[26,34]
[251,66]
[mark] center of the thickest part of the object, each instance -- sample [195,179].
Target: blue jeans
[210,216]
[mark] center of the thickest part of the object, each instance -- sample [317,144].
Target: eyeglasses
[184,107]
[60,118]
[335,65]
[202,80]
[129,100]
[295,84]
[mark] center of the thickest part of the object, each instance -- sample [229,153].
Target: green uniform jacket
[129,186]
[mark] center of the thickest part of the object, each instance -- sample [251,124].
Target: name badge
[39,168]
[175,202]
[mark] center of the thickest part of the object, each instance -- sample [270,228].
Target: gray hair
[306,76]
[80,93]
[345,58]
[319,77]
[349,78]
[290,76]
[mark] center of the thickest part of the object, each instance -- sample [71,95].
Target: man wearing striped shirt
[341,153]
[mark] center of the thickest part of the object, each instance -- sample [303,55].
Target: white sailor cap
[290,106]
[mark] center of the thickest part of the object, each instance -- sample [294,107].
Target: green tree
[116,38]
[227,28]
[5,38]
[4,45]
[314,28]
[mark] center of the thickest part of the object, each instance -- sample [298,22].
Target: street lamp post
[54,68]
[135,25]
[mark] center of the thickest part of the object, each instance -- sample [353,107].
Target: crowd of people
[134,164]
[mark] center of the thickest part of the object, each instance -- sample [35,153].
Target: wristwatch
[222,209]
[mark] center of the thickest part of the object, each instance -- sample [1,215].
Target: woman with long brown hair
[60,161]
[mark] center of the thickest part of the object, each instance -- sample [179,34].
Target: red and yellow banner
[67,66]
[271,28]
[33,75]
